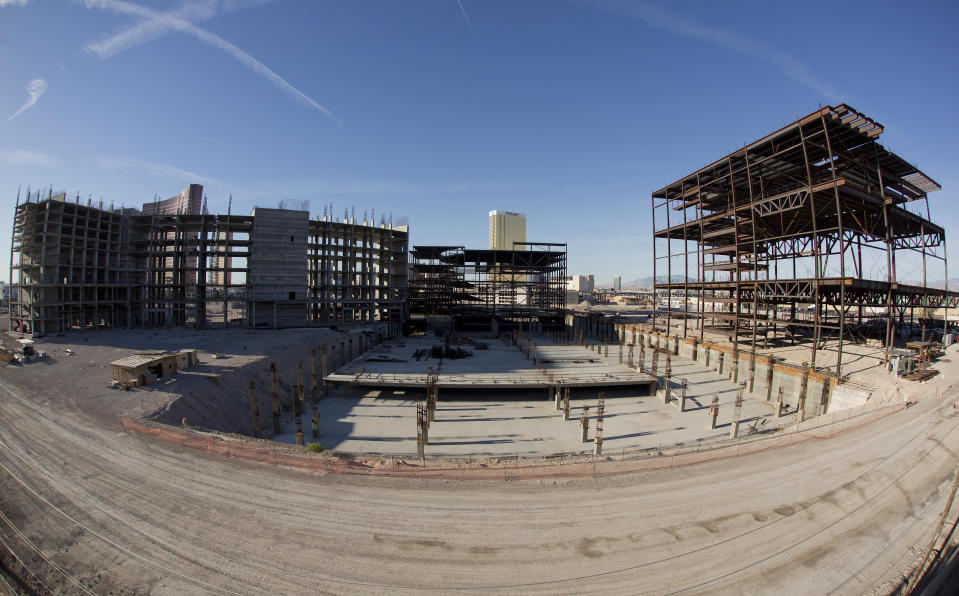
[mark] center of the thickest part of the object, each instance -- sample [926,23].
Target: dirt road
[120,514]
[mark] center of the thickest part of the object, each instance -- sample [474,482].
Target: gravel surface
[113,512]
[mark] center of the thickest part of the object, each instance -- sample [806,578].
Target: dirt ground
[92,508]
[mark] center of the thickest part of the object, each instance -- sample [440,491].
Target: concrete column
[620,353]
[606,351]
[323,362]
[557,391]
[713,412]
[275,397]
[722,358]
[706,363]
[313,385]
[598,446]
[682,396]
[584,424]
[769,378]
[254,410]
[316,425]
[801,413]
[296,414]
[779,403]
[299,382]
[566,403]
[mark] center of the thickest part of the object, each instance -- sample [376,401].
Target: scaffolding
[526,285]
[797,235]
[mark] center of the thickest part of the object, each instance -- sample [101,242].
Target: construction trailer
[80,266]
[797,236]
[524,286]
[139,370]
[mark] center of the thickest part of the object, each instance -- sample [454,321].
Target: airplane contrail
[35,88]
[172,22]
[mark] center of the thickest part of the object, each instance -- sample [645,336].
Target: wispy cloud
[5,3]
[25,157]
[466,18]
[155,24]
[129,164]
[35,89]
[207,139]
[678,24]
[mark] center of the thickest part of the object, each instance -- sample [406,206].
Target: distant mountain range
[646,283]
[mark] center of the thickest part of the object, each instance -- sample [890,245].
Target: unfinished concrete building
[797,237]
[80,266]
[526,285]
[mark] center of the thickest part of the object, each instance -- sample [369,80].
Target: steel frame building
[79,266]
[526,285]
[798,233]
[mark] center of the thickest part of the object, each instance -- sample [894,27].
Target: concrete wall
[278,267]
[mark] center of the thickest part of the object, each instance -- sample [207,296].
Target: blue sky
[571,111]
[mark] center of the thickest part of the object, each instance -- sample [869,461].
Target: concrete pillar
[323,362]
[769,378]
[313,385]
[801,413]
[598,447]
[620,353]
[420,451]
[296,414]
[254,410]
[566,403]
[316,425]
[713,412]
[722,358]
[734,429]
[557,391]
[606,351]
[275,398]
[299,382]
[779,403]
[706,363]
[682,396]
[584,424]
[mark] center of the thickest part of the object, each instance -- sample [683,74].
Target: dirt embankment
[215,394]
